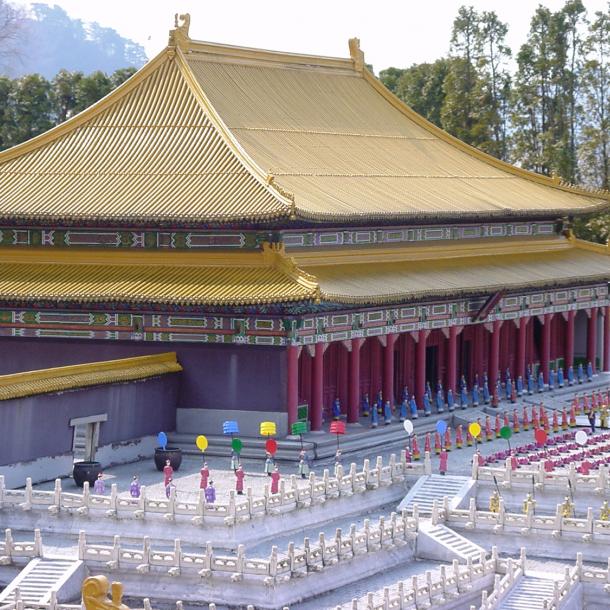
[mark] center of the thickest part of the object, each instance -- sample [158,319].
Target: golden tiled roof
[348,275]
[149,277]
[64,378]
[446,272]
[208,133]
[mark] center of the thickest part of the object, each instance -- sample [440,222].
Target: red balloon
[540,435]
[337,427]
[271,446]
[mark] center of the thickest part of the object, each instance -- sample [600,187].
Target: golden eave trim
[434,252]
[582,244]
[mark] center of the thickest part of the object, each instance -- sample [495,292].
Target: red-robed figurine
[168,473]
[205,476]
[239,480]
[275,480]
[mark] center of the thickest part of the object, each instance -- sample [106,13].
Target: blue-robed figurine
[336,408]
[374,416]
[560,378]
[464,397]
[530,384]
[509,388]
[413,407]
[405,393]
[475,395]
[379,403]
[589,372]
[429,390]
[463,383]
[581,374]
[551,380]
[519,386]
[427,407]
[403,409]
[450,400]
[498,389]
[540,382]
[486,395]
[440,398]
[387,413]
[366,407]
[570,375]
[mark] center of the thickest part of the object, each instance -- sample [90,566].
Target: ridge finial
[356,54]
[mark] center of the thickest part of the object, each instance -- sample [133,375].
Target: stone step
[434,487]
[41,576]
[529,593]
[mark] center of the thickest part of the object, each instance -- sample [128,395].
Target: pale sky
[392,32]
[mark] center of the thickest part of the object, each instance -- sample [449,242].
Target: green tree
[30,109]
[90,89]
[119,76]
[6,90]
[594,149]
[64,93]
[390,76]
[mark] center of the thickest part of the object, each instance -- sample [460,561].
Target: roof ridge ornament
[356,54]
[179,36]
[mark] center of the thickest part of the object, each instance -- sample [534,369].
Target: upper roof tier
[208,133]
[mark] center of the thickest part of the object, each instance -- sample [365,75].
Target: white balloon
[408,424]
[581,437]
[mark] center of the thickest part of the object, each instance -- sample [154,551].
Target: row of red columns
[353,407]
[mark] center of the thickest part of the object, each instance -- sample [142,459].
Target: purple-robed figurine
[134,487]
[210,493]
[99,487]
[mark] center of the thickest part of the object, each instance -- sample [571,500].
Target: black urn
[173,454]
[86,471]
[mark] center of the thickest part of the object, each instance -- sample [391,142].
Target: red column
[521,364]
[494,356]
[317,392]
[353,408]
[592,337]
[420,367]
[546,345]
[292,386]
[606,366]
[388,368]
[569,355]
[452,359]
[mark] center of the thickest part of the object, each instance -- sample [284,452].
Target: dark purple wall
[38,426]
[215,376]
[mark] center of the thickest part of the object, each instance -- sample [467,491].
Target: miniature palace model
[294,234]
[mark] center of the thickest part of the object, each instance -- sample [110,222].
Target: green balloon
[236,445]
[299,427]
[506,432]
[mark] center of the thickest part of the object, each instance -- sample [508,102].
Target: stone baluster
[291,557]
[232,509]
[427,463]
[393,528]
[378,467]
[352,536]
[171,505]
[52,600]
[322,545]
[555,593]
[415,513]
[37,543]
[501,513]
[338,543]
[146,552]
[82,544]
[541,475]
[456,574]
[27,495]
[209,554]
[113,510]
[354,605]
[339,477]
[366,469]
[475,467]
[415,591]
[444,588]
[200,508]
[579,566]
[403,460]
[572,475]
[370,600]
[508,473]
[177,553]
[472,511]
[273,562]
[429,586]
[494,558]
[146,604]
[469,569]
[590,520]
[8,544]
[212,606]
[352,476]
[522,559]
[266,493]
[367,534]
[86,496]
[56,506]
[116,553]
[484,604]
[401,595]
[482,557]
[392,463]
[386,598]
[325,478]
[294,487]
[446,511]
[282,491]
[312,487]
[140,513]
[434,516]
[510,570]
[381,526]
[179,605]
[241,559]
[558,519]
[307,547]
[249,500]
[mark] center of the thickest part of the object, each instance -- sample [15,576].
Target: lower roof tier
[354,277]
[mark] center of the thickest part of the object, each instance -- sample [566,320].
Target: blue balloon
[230,427]
[441,426]
[162,440]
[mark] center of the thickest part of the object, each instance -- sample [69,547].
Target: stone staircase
[443,544]
[529,593]
[41,576]
[435,487]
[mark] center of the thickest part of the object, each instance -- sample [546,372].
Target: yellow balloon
[474,428]
[201,442]
[267,428]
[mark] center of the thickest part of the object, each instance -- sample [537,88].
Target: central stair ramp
[435,487]
[529,593]
[439,542]
[42,576]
